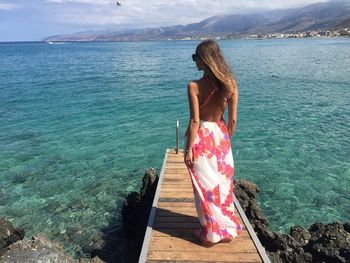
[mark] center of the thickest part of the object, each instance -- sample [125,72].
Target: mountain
[330,15]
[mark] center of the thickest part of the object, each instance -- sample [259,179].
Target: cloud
[8,6]
[78,2]
[156,12]
[32,20]
[99,14]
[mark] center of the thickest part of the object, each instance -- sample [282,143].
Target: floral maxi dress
[212,176]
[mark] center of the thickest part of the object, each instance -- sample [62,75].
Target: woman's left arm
[192,92]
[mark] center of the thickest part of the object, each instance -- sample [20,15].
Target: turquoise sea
[81,122]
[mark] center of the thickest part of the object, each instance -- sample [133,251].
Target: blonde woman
[208,154]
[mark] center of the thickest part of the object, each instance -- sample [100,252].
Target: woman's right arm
[232,111]
[193,126]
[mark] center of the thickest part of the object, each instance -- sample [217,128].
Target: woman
[208,154]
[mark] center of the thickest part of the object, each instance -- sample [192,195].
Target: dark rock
[37,249]
[246,193]
[135,212]
[297,255]
[93,260]
[97,244]
[9,235]
[275,257]
[137,206]
[285,242]
[320,243]
[329,243]
[300,235]
[249,188]
[347,227]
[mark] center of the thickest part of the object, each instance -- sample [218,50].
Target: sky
[33,20]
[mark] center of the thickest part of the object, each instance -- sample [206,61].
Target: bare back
[212,101]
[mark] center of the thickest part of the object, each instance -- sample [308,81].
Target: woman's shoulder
[193,85]
[196,83]
[234,85]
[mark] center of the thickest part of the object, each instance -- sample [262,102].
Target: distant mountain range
[320,16]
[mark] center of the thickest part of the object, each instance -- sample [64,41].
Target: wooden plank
[172,204]
[175,219]
[192,261]
[178,195]
[179,190]
[197,261]
[204,256]
[177,199]
[182,225]
[148,233]
[178,212]
[168,232]
[191,244]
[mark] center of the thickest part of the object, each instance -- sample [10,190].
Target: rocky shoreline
[319,243]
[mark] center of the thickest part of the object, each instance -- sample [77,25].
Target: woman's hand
[188,158]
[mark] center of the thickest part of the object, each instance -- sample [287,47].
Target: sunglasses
[195,57]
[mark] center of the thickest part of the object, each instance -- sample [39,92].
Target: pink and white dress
[212,176]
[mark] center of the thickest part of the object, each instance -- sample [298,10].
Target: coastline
[319,243]
[276,36]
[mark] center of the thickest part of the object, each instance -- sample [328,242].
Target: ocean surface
[81,122]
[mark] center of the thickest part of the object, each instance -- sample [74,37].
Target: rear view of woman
[208,154]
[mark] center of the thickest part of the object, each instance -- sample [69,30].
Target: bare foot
[225,240]
[197,233]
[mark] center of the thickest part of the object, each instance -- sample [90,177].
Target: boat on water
[55,43]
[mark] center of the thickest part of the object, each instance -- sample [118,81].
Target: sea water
[81,122]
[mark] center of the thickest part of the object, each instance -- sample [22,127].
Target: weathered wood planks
[169,236]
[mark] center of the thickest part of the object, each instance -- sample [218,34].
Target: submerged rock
[37,249]
[9,235]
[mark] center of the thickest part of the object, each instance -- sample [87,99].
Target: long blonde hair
[210,52]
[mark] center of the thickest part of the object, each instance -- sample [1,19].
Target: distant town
[345,32]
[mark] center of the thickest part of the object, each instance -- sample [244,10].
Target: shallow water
[81,122]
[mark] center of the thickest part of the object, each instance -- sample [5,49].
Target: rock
[148,183]
[135,212]
[285,242]
[137,206]
[97,243]
[275,257]
[300,234]
[96,259]
[329,243]
[319,243]
[249,188]
[246,194]
[9,235]
[297,255]
[347,227]
[35,250]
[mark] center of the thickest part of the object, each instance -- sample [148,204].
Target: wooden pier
[169,235]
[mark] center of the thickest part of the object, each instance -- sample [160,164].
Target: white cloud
[142,13]
[8,6]
[103,2]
